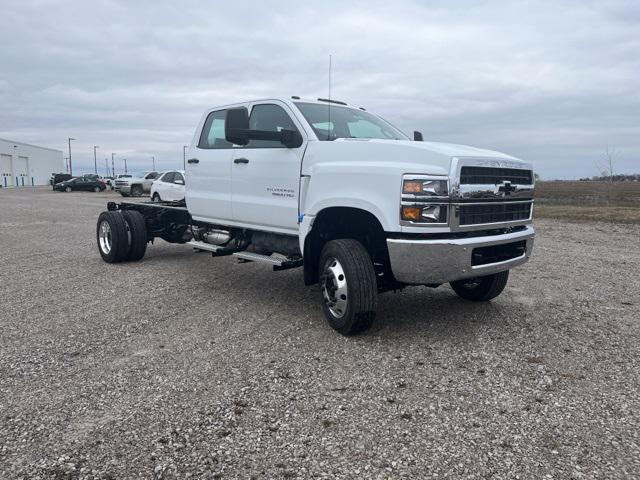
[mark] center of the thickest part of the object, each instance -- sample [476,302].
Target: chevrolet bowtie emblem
[505,188]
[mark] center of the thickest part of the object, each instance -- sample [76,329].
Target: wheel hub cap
[334,287]
[105,237]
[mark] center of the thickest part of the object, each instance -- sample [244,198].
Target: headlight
[435,188]
[425,213]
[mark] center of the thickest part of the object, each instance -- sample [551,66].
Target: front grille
[493,176]
[494,213]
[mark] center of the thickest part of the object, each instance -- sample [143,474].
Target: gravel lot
[186,366]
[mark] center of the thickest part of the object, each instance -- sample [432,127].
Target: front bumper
[126,189]
[444,260]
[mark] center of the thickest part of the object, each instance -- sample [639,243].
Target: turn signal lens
[412,186]
[411,213]
[425,187]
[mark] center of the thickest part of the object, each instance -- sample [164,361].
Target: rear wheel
[136,191]
[137,234]
[96,189]
[481,289]
[112,237]
[348,286]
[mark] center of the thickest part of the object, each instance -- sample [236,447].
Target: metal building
[24,165]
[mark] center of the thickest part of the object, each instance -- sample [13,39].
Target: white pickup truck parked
[136,184]
[345,195]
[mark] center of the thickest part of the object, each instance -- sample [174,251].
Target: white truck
[136,184]
[346,196]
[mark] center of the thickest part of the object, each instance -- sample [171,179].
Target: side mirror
[179,182]
[417,136]
[237,131]
[236,126]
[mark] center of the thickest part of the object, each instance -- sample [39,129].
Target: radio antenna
[329,102]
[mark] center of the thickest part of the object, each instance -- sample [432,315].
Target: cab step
[279,263]
[216,250]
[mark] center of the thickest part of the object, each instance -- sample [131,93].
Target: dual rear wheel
[121,236]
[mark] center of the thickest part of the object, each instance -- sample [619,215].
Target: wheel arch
[337,222]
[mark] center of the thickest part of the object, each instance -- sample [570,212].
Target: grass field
[617,202]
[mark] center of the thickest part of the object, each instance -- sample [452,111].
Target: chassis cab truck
[347,197]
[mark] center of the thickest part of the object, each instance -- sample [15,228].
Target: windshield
[330,122]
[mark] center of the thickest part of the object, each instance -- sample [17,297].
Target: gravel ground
[186,366]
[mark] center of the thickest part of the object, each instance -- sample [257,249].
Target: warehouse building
[24,165]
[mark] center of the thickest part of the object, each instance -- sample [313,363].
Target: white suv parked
[169,187]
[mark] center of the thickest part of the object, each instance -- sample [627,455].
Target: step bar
[217,250]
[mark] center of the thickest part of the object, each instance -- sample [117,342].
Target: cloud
[552,82]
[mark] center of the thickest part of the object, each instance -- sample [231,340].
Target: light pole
[113,167]
[66,164]
[70,167]
[153,159]
[125,166]
[106,166]
[184,156]
[95,162]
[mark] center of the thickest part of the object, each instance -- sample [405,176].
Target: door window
[168,177]
[178,176]
[212,135]
[272,118]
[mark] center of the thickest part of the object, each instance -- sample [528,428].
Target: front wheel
[348,286]
[481,289]
[136,191]
[96,189]
[68,189]
[156,197]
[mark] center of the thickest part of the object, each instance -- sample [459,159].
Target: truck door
[266,175]
[208,172]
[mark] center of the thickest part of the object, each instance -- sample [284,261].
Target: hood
[446,149]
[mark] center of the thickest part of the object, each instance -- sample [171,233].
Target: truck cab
[351,199]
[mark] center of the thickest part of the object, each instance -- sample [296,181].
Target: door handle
[241,160]
[193,160]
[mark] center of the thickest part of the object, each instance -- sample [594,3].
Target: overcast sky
[553,82]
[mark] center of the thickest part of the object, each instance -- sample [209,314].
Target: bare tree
[610,157]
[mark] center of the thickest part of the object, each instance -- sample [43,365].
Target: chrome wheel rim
[334,288]
[104,237]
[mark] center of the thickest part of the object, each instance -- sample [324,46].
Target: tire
[97,189]
[136,191]
[481,289]
[349,307]
[156,197]
[113,244]
[68,189]
[137,235]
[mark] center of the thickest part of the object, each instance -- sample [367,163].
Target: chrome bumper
[445,260]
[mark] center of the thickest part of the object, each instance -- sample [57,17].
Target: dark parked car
[58,178]
[80,183]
